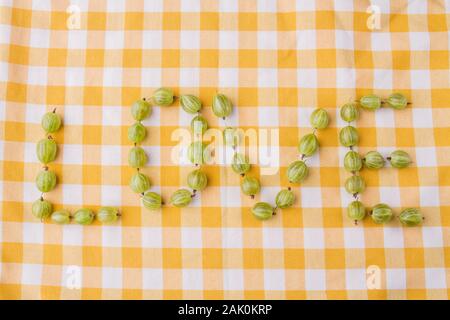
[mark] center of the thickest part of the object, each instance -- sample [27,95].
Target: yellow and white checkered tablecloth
[277,61]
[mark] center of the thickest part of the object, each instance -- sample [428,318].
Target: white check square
[344,39]
[151,237]
[151,77]
[189,77]
[31,274]
[189,39]
[72,194]
[191,237]
[384,118]
[192,279]
[393,237]
[355,279]
[152,279]
[231,237]
[307,78]
[382,78]
[73,115]
[395,279]
[305,5]
[153,156]
[381,41]
[190,5]
[426,157]
[228,5]
[422,117]
[304,113]
[111,115]
[74,77]
[72,153]
[152,39]
[273,238]
[419,41]
[111,155]
[111,278]
[315,280]
[34,113]
[154,6]
[111,195]
[30,192]
[116,5]
[228,40]
[390,195]
[114,39]
[432,237]
[41,5]
[33,232]
[267,40]
[230,197]
[39,38]
[228,77]
[345,78]
[274,279]
[112,77]
[436,278]
[37,75]
[233,279]
[267,77]
[311,197]
[111,236]
[77,39]
[268,117]
[380,6]
[417,7]
[313,238]
[420,79]
[306,39]
[429,196]
[354,238]
[343,5]
[72,235]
